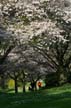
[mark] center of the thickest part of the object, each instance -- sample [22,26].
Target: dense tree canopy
[35,39]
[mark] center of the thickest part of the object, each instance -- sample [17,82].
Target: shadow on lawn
[45,94]
[37,99]
[39,95]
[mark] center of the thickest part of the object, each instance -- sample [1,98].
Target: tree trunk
[16,86]
[23,81]
[61,75]
[3,81]
[33,86]
[23,85]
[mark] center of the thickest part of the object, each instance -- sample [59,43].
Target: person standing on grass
[32,86]
[39,84]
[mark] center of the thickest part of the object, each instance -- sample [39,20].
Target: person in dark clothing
[32,86]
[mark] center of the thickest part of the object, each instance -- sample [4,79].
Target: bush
[51,80]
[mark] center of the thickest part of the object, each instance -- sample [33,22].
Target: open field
[59,97]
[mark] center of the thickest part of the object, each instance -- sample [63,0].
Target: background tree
[42,28]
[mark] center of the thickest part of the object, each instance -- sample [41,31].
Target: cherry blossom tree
[44,25]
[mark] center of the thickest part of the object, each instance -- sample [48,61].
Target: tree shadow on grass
[37,99]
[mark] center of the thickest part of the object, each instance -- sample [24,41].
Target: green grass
[59,97]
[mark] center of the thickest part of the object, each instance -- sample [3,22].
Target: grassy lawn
[50,98]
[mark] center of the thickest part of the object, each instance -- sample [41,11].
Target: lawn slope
[59,97]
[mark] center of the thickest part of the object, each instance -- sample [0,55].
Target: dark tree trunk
[16,86]
[23,87]
[33,85]
[2,59]
[23,81]
[3,81]
[61,75]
